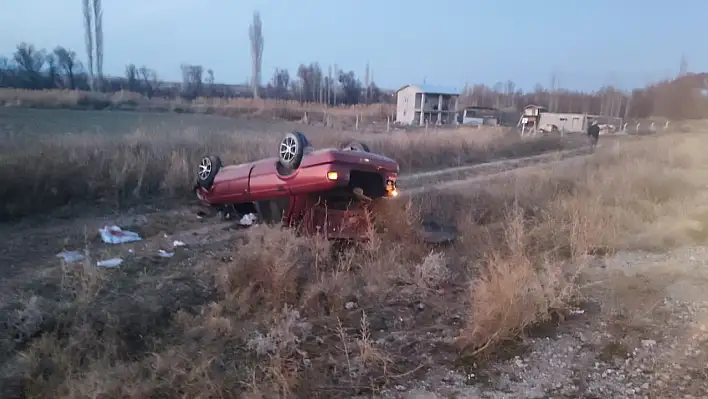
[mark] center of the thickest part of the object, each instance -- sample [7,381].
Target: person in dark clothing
[594,133]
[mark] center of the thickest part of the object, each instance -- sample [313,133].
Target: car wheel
[292,149]
[207,170]
[356,146]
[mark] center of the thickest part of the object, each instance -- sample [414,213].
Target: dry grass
[42,171]
[129,101]
[279,315]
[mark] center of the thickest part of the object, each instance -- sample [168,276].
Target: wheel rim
[288,149]
[204,168]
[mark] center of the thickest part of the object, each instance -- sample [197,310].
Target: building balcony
[432,109]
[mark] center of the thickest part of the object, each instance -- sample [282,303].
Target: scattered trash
[165,254]
[178,243]
[70,256]
[116,235]
[247,219]
[109,263]
[577,311]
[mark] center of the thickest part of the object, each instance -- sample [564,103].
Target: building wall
[565,122]
[408,105]
[405,105]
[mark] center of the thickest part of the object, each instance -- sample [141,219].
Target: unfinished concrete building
[421,104]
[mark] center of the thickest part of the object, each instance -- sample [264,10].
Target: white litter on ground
[109,263]
[116,235]
[165,254]
[247,219]
[178,243]
[70,256]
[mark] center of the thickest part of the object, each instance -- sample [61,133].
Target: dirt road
[642,334]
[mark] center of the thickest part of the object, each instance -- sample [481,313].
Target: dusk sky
[446,42]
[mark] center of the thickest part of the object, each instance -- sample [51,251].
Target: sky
[586,43]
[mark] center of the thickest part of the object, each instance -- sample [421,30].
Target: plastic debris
[116,235]
[70,256]
[109,263]
[247,219]
[178,243]
[165,254]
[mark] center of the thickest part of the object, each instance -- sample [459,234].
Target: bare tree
[192,81]
[256,35]
[98,28]
[366,83]
[4,70]
[52,73]
[88,32]
[131,75]
[553,106]
[683,66]
[67,64]
[30,62]
[149,80]
[279,83]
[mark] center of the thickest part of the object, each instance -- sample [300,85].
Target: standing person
[594,133]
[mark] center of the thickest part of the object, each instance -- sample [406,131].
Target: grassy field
[276,315]
[55,158]
[242,107]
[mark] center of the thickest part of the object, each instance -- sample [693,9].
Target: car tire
[292,149]
[207,170]
[356,146]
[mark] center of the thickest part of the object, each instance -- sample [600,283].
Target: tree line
[37,69]
[683,97]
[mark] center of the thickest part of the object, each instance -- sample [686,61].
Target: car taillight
[332,175]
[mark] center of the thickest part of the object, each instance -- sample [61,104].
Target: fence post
[388,124]
[426,125]
[666,125]
[636,129]
[356,126]
[651,127]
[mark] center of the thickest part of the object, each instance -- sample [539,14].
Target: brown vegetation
[41,172]
[130,101]
[281,315]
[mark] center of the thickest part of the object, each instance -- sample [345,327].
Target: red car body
[320,194]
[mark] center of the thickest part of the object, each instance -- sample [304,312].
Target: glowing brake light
[332,175]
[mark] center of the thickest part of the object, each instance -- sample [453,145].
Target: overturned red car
[327,191]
